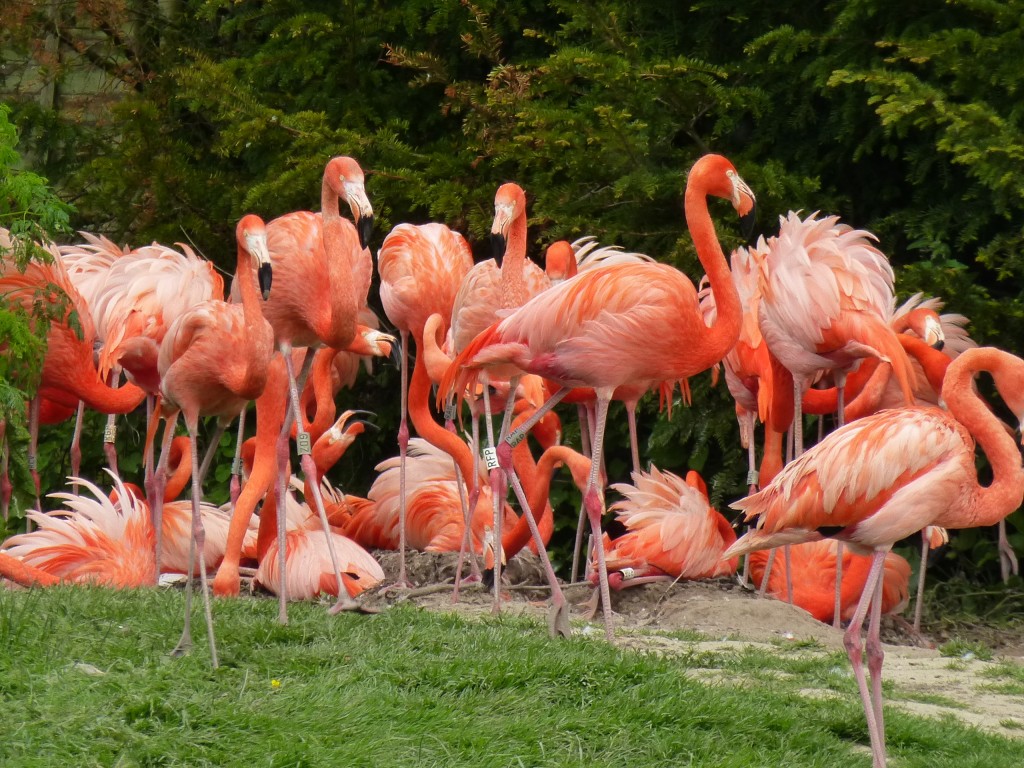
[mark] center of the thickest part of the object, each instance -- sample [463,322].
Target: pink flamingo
[587,332]
[672,531]
[887,476]
[213,360]
[421,268]
[322,275]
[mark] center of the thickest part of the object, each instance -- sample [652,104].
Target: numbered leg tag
[627,574]
[32,462]
[236,466]
[303,443]
[515,438]
[491,458]
[752,477]
[449,412]
[110,433]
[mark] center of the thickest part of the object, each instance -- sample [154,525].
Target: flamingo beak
[362,211]
[498,245]
[256,244]
[365,228]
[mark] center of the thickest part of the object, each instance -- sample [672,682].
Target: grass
[86,680]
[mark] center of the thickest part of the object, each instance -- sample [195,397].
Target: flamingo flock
[805,321]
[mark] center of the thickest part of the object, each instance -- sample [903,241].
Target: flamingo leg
[5,480]
[76,446]
[33,451]
[1007,558]
[558,617]
[747,425]
[919,599]
[284,469]
[211,449]
[852,641]
[578,543]
[631,420]
[110,433]
[155,485]
[344,602]
[594,500]
[236,464]
[497,498]
[467,511]
[763,590]
[403,448]
[840,416]
[196,545]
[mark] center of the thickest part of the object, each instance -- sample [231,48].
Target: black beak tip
[748,223]
[266,277]
[939,344]
[498,245]
[365,230]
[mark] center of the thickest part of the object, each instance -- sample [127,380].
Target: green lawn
[86,679]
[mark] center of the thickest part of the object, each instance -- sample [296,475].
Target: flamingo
[323,277]
[421,268]
[94,540]
[622,324]
[69,373]
[672,531]
[887,476]
[813,568]
[214,360]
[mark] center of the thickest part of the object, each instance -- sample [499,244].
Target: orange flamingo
[586,331]
[69,373]
[887,476]
[94,540]
[672,531]
[214,360]
[813,565]
[323,277]
[421,268]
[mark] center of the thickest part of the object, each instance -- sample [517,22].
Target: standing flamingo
[322,276]
[213,361]
[887,476]
[421,268]
[617,325]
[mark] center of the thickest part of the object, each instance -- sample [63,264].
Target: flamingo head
[252,236]
[716,175]
[560,261]
[509,205]
[345,177]
[927,324]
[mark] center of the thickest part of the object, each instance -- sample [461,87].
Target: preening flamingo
[421,269]
[213,361]
[618,325]
[672,531]
[886,476]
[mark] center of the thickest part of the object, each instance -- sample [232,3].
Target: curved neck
[512,286]
[1003,496]
[88,387]
[430,430]
[725,329]
[181,460]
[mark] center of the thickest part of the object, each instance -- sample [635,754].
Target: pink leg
[76,445]
[594,501]
[763,590]
[344,602]
[284,465]
[235,488]
[155,485]
[469,506]
[1007,558]
[852,642]
[747,427]
[197,544]
[631,420]
[497,497]
[403,447]
[33,451]
[109,444]
[558,617]
[919,600]
[6,488]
